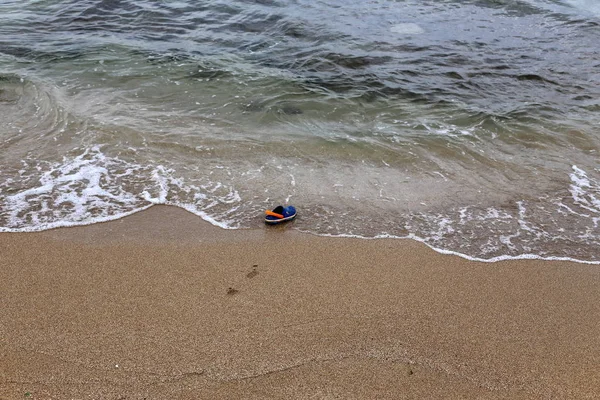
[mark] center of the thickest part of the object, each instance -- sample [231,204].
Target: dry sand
[162,305]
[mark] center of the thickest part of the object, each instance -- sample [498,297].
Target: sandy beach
[163,305]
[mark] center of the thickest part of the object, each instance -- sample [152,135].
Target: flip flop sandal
[280,214]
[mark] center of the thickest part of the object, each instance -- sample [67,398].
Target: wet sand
[163,305]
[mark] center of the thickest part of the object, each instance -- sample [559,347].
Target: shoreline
[210,221]
[161,304]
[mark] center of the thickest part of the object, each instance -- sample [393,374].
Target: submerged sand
[162,305]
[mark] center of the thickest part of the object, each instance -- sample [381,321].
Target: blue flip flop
[280,214]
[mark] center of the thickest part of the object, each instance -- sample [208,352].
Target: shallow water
[470,125]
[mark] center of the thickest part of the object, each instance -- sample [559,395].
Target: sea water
[470,125]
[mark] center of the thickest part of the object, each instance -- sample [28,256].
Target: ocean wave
[367,116]
[93,187]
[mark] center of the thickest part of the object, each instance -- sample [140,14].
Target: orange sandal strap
[272,214]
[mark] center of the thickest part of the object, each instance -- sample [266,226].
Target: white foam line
[203,215]
[456,253]
[69,224]
[92,221]
[499,258]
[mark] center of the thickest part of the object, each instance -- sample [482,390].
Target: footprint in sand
[231,291]
[252,273]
